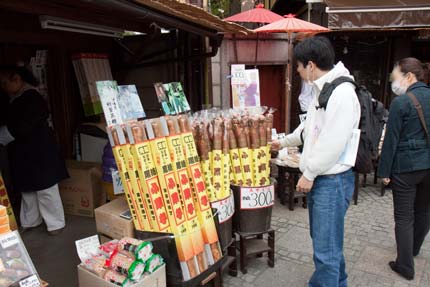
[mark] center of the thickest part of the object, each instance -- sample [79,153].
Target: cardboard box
[104,239]
[109,221]
[82,192]
[88,279]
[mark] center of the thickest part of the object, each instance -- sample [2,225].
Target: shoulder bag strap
[419,109]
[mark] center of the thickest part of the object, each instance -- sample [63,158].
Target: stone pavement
[369,246]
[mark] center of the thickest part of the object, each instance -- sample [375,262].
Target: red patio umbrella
[290,24]
[257,15]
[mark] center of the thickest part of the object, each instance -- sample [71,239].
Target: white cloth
[43,205]
[327,132]
[5,136]
[306,96]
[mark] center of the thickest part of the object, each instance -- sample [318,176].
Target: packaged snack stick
[125,265]
[117,278]
[141,250]
[153,263]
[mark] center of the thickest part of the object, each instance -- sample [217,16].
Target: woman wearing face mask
[36,164]
[405,161]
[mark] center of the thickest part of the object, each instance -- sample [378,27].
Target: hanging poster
[129,103]
[245,86]
[177,97]
[163,99]
[108,92]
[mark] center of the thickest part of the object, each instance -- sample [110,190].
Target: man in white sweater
[328,182]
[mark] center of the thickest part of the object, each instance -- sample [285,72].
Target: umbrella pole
[256,52]
[288,84]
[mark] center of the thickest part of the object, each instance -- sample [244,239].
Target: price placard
[225,208]
[117,183]
[8,240]
[31,281]
[257,197]
[87,247]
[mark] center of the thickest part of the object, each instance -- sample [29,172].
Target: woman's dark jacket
[405,147]
[35,160]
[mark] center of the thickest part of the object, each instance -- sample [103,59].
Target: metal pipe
[374,10]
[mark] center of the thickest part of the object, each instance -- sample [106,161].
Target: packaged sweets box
[88,279]
[17,268]
[82,192]
[109,221]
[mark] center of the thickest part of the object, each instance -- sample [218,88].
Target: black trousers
[411,194]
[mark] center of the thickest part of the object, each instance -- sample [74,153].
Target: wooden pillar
[288,84]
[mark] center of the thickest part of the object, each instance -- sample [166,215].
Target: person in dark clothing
[405,161]
[36,164]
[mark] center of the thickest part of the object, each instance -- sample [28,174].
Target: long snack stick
[142,208]
[203,146]
[235,159]
[200,196]
[226,162]
[264,160]
[254,126]
[244,153]
[149,178]
[173,202]
[216,160]
[179,162]
[114,134]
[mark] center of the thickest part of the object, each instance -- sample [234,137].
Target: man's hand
[386,181]
[304,185]
[276,146]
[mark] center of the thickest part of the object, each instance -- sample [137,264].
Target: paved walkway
[369,246]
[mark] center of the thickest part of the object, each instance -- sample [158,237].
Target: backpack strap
[420,112]
[328,89]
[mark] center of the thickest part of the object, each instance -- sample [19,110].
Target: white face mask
[397,87]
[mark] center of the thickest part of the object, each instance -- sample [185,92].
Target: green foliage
[220,8]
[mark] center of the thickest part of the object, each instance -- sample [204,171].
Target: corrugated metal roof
[193,14]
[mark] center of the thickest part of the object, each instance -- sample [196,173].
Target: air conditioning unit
[54,23]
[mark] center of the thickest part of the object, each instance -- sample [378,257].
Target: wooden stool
[231,261]
[254,244]
[214,279]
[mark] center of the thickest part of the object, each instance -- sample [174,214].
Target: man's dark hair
[25,74]
[316,49]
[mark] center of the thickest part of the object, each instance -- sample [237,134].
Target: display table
[287,188]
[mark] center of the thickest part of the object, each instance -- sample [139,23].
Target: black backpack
[371,122]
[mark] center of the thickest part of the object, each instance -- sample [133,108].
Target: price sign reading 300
[256,198]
